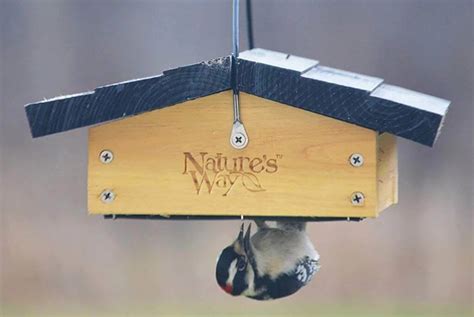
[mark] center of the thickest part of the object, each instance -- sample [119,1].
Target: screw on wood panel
[239,140]
[357,199]
[356,159]
[238,136]
[106,156]
[107,196]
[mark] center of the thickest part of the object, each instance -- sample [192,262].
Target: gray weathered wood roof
[299,82]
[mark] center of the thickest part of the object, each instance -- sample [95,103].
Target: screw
[107,196]
[357,199]
[239,140]
[106,156]
[356,160]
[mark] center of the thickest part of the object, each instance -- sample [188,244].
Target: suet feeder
[320,142]
[260,134]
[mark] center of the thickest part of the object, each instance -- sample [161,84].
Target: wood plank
[346,96]
[128,98]
[295,81]
[277,59]
[387,171]
[296,163]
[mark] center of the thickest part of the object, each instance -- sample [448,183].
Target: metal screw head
[239,140]
[357,199]
[106,156]
[107,196]
[356,159]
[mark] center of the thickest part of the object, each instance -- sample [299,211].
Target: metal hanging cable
[249,25]
[238,137]
[235,55]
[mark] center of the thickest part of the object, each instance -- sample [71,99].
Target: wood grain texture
[296,163]
[129,98]
[345,96]
[348,104]
[387,171]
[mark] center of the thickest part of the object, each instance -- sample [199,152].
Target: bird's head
[236,265]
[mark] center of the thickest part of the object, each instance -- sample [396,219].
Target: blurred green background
[414,260]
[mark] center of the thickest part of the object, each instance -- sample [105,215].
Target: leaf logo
[251,182]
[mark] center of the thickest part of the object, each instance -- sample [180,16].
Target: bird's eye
[241,263]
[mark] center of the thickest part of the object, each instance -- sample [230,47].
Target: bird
[275,262]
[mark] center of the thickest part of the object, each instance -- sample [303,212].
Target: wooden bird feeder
[321,141]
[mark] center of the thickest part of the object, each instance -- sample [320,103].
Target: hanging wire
[235,55]
[235,28]
[238,137]
[236,48]
[249,25]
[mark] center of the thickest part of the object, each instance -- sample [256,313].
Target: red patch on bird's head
[227,288]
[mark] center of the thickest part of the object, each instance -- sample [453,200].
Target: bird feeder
[318,142]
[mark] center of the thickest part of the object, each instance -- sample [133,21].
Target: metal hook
[238,137]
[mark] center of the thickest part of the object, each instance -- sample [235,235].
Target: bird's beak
[248,246]
[240,238]
[247,238]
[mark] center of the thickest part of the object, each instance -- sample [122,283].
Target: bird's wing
[306,269]
[287,284]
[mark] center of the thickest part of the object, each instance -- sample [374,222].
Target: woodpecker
[275,262]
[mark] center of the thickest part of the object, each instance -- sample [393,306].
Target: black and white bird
[275,262]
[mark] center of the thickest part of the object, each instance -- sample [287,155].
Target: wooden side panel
[178,161]
[387,171]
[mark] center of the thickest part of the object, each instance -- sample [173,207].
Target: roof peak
[296,81]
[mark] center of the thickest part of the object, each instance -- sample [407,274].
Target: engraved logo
[211,172]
